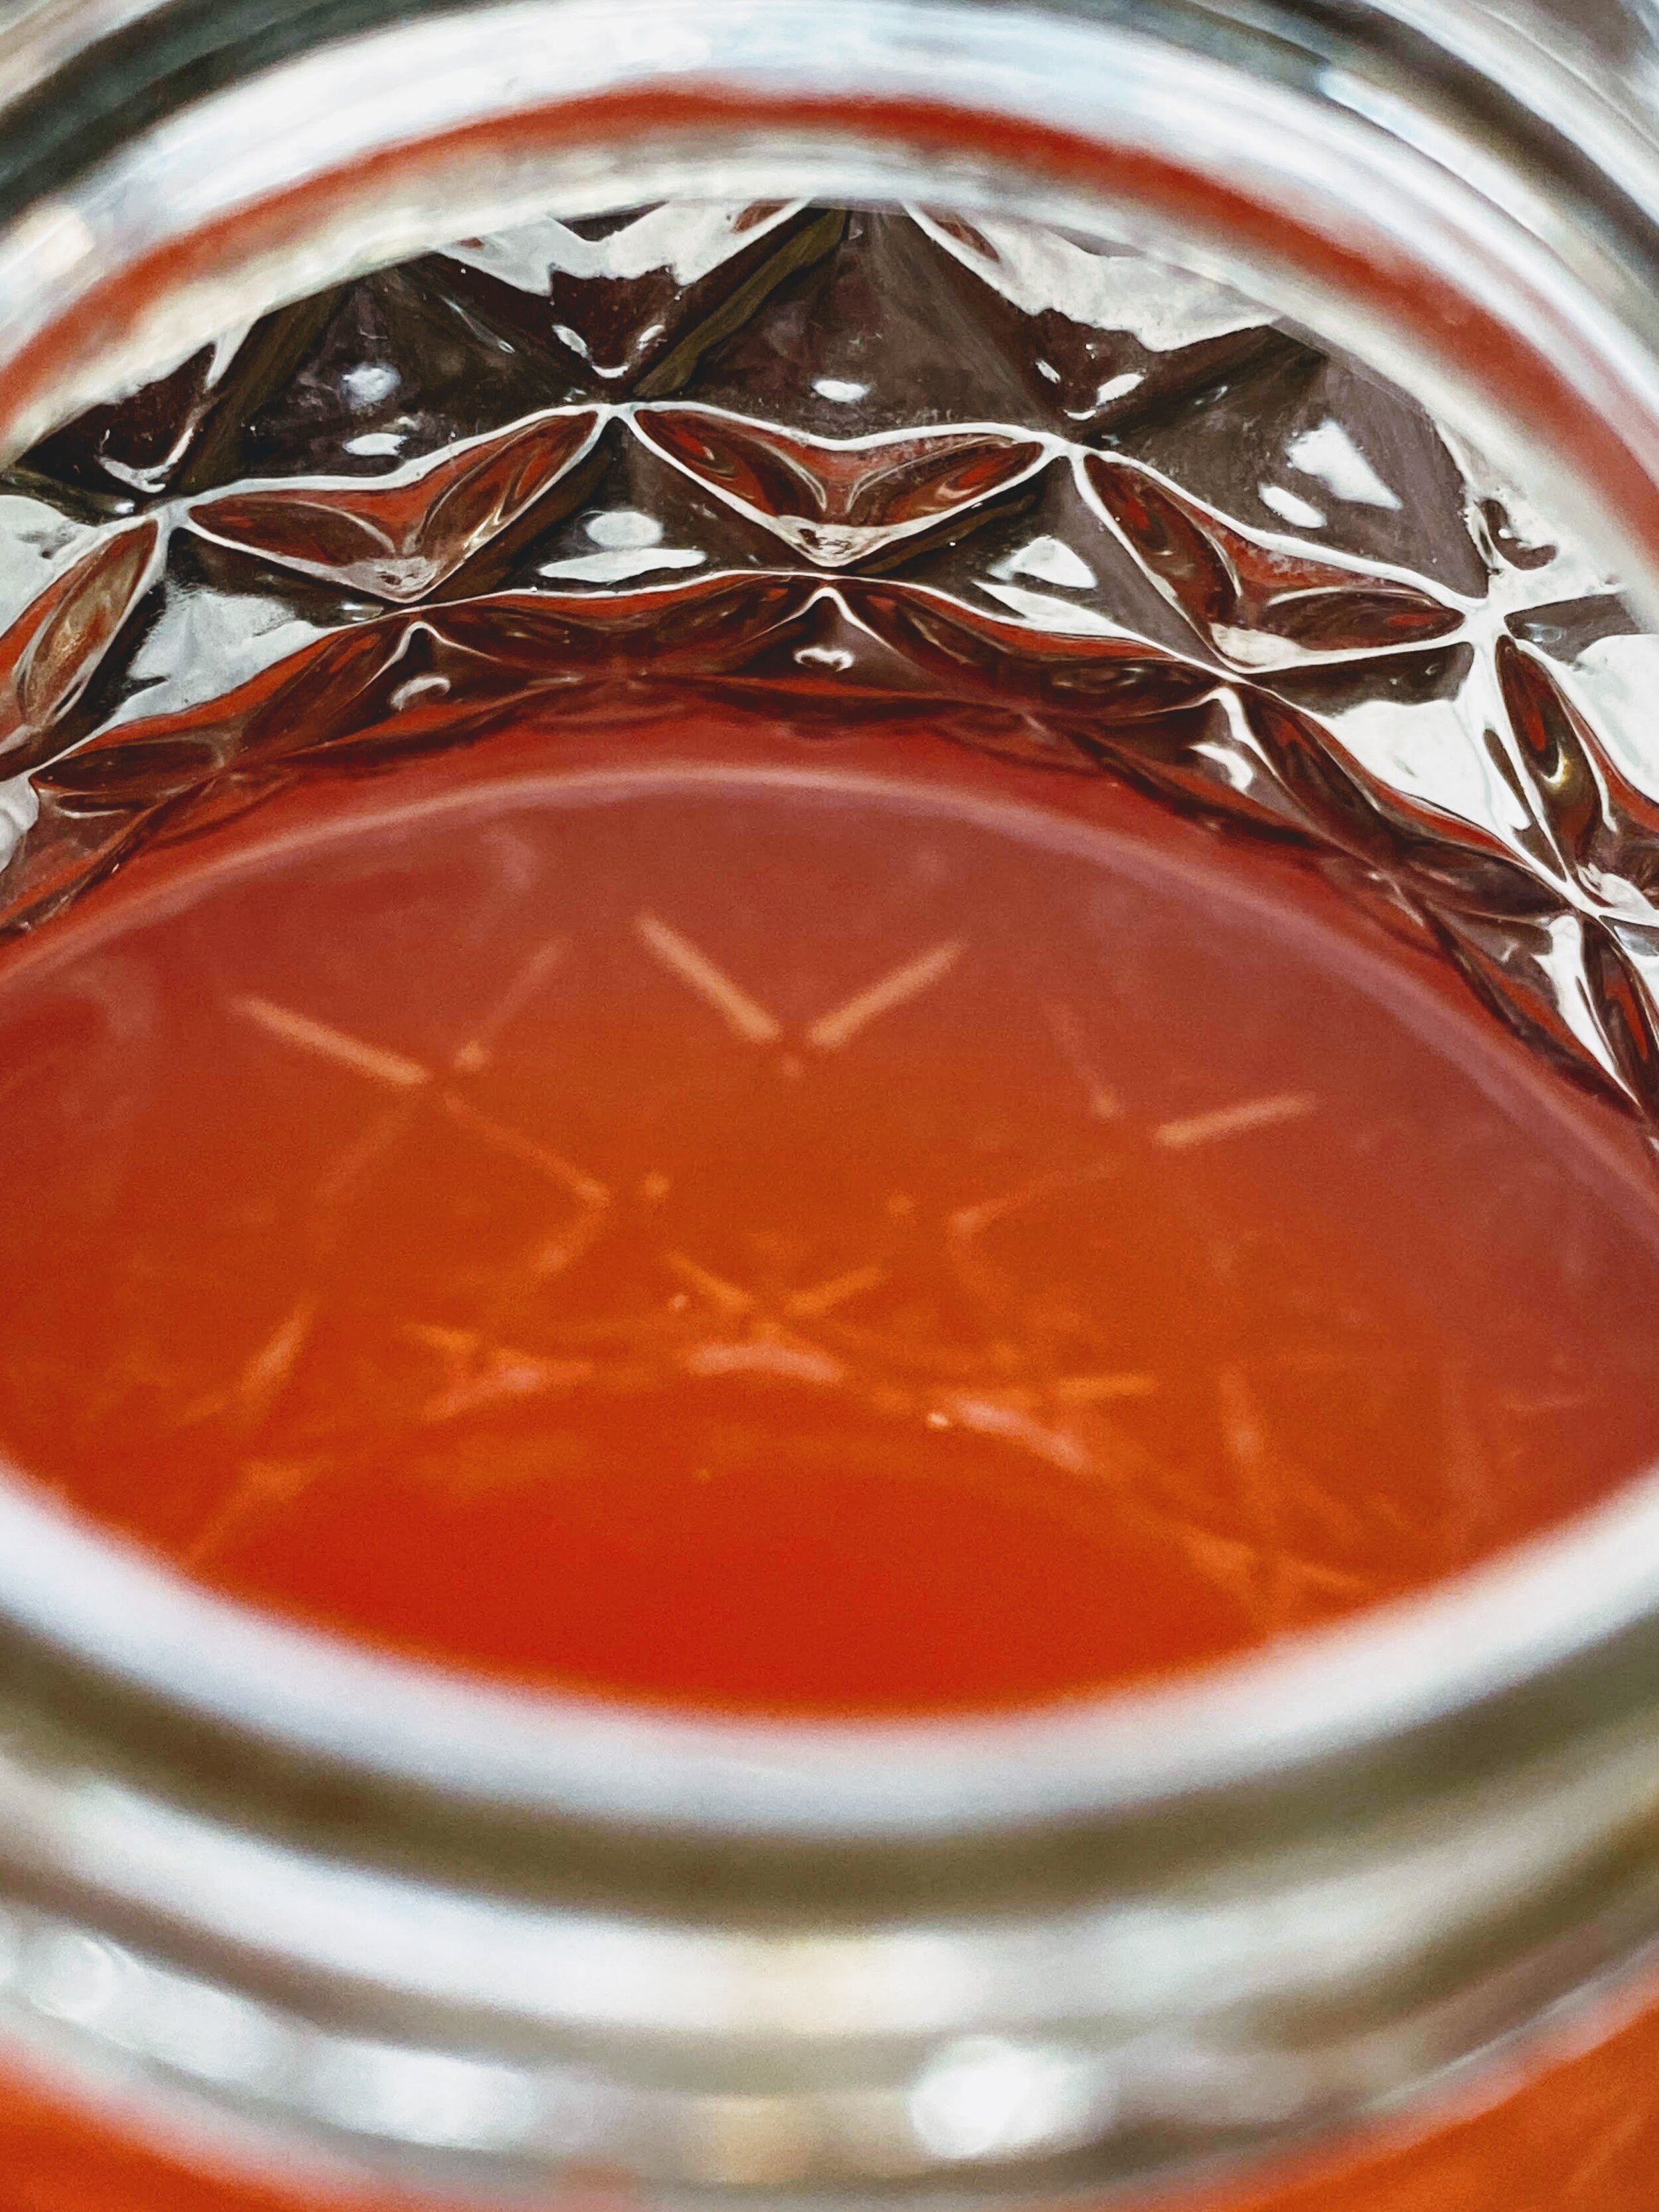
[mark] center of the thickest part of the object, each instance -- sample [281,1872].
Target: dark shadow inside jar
[624,1087]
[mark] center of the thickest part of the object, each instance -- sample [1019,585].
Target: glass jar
[1360,1920]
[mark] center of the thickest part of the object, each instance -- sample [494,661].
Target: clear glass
[1006,494]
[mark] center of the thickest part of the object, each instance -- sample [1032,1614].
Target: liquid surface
[777,1238]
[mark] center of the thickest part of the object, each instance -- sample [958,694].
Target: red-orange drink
[776,1229]
[796,1231]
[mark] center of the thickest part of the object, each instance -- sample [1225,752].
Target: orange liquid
[740,1230]
[777,1231]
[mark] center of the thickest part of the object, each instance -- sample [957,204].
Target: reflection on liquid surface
[765,1236]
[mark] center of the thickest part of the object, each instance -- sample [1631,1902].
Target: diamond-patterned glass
[1091,508]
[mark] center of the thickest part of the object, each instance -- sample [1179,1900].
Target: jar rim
[1511,1626]
[1523,1676]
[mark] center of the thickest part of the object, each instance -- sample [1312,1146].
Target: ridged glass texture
[1071,504]
[1074,504]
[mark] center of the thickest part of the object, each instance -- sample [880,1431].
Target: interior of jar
[571,801]
[818,961]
